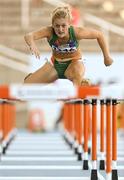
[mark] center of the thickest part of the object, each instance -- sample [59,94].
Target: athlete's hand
[108,61]
[34,50]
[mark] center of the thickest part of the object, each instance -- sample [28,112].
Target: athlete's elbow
[28,36]
[100,35]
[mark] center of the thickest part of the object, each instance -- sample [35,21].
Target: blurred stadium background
[17,17]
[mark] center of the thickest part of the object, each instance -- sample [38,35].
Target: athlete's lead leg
[75,73]
[46,74]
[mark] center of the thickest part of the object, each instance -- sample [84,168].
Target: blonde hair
[62,12]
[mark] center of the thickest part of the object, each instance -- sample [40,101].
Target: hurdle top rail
[53,91]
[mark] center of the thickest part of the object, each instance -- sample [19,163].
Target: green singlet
[67,48]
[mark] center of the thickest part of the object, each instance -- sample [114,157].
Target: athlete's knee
[74,75]
[77,81]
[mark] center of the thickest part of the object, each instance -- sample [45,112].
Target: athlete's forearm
[103,45]
[32,45]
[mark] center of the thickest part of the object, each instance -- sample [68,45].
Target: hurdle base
[79,156]
[114,174]
[85,165]
[4,150]
[76,150]
[65,139]
[89,150]
[102,165]
[94,174]
[70,145]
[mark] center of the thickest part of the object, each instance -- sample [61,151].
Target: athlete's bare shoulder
[86,33]
[50,31]
[43,32]
[78,31]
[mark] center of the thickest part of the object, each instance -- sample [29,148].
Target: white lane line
[39,138]
[61,145]
[68,152]
[48,136]
[44,178]
[119,152]
[120,159]
[120,167]
[40,144]
[33,148]
[39,141]
[5,158]
[56,137]
[48,167]
[23,135]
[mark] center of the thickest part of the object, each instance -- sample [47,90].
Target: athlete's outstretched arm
[85,33]
[36,35]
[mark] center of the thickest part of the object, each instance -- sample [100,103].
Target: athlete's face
[61,26]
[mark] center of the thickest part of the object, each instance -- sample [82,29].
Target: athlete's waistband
[65,59]
[62,62]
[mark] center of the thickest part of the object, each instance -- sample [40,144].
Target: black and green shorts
[61,68]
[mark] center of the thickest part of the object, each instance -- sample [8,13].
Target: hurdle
[102,139]
[7,118]
[7,123]
[78,101]
[81,147]
[108,106]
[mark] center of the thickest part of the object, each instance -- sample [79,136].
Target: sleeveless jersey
[68,48]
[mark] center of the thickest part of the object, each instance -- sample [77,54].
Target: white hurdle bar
[51,91]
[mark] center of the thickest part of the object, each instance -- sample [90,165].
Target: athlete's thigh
[45,74]
[75,70]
